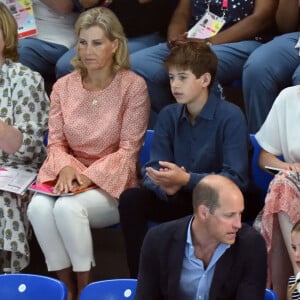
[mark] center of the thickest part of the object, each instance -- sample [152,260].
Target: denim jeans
[270,68]
[40,56]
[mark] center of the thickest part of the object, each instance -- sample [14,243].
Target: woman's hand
[85,182]
[295,167]
[68,180]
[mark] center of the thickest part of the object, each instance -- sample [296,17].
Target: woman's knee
[67,209]
[39,206]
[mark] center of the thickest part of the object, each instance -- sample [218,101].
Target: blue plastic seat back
[260,178]
[114,289]
[31,287]
[270,295]
[145,150]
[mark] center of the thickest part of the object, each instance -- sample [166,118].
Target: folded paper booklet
[14,180]
[46,188]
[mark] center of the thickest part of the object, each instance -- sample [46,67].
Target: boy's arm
[262,17]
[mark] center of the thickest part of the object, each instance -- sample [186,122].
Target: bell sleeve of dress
[31,107]
[117,171]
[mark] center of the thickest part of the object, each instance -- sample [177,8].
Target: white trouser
[62,226]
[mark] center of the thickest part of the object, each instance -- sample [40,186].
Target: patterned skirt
[283,196]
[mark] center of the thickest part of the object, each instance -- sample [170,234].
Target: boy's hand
[169,177]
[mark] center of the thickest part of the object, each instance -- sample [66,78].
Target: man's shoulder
[248,236]
[178,226]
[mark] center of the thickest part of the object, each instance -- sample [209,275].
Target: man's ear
[206,79]
[203,212]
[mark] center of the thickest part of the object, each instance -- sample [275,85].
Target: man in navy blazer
[207,256]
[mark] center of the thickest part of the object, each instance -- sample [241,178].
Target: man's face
[224,223]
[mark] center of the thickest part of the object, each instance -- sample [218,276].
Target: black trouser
[138,206]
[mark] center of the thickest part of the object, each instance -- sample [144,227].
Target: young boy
[199,135]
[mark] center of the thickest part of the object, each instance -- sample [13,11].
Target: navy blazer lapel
[176,254]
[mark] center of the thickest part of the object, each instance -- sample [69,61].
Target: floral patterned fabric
[24,104]
[283,196]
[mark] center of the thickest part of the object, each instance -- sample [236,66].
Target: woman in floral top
[23,120]
[98,118]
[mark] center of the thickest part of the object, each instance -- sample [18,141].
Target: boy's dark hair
[196,56]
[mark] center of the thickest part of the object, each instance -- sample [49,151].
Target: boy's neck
[195,108]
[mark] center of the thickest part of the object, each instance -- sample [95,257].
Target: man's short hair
[207,195]
[195,56]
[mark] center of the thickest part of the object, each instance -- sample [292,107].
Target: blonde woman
[98,117]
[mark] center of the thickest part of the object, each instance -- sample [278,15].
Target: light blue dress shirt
[195,280]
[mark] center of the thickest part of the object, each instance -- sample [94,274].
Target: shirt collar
[218,252]
[207,112]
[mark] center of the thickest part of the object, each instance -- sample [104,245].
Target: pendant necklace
[95,102]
